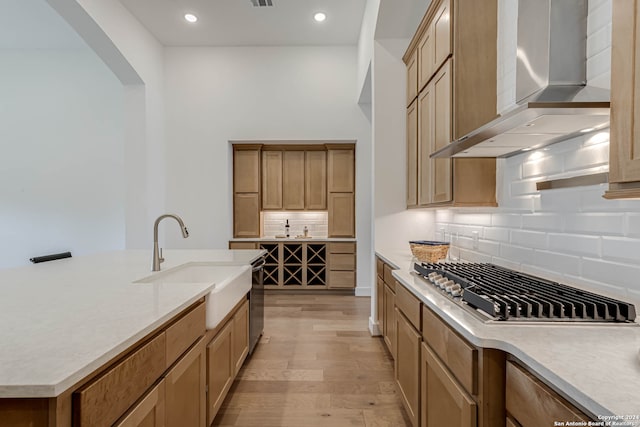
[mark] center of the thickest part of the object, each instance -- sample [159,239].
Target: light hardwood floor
[316,365]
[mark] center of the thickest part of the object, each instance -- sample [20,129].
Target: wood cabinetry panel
[342,248]
[185,385]
[425,58]
[379,301]
[220,369]
[407,365]
[444,401]
[412,78]
[455,352]
[342,261]
[240,336]
[246,171]
[293,180]
[380,268]
[184,332]
[412,155]
[104,400]
[341,215]
[426,133]
[532,403]
[246,214]
[243,245]
[409,305]
[272,180]
[341,170]
[342,279]
[441,168]
[389,325]
[388,277]
[149,412]
[315,180]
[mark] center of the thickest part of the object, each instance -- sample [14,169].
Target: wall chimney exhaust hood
[553,101]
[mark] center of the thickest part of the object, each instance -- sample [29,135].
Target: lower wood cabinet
[443,402]
[389,321]
[149,412]
[407,366]
[185,389]
[225,354]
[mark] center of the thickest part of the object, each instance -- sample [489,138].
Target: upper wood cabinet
[624,146]
[246,190]
[315,180]
[412,78]
[341,170]
[272,180]
[457,54]
[341,215]
[293,174]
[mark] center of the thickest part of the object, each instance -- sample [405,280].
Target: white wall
[62,168]
[214,95]
[365,46]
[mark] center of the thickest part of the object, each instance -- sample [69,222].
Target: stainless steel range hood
[554,103]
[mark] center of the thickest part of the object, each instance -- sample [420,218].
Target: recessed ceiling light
[190,17]
[320,16]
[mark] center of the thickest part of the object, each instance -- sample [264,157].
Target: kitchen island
[62,321]
[594,366]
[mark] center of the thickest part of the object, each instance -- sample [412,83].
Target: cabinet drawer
[104,400]
[342,248]
[342,262]
[532,403]
[342,279]
[380,267]
[149,410]
[388,277]
[459,356]
[184,332]
[243,245]
[409,305]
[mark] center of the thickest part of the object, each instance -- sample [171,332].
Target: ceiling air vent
[262,3]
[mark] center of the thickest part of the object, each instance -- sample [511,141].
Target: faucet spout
[157,253]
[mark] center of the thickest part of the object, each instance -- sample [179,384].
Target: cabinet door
[412,78]
[220,369]
[625,96]
[149,412]
[443,401]
[407,366]
[425,143]
[425,58]
[240,336]
[389,325]
[246,171]
[412,155]
[272,180]
[341,170]
[315,180]
[442,46]
[293,180]
[441,168]
[341,215]
[246,215]
[380,302]
[185,389]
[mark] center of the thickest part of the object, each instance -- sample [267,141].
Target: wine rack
[316,256]
[292,271]
[272,264]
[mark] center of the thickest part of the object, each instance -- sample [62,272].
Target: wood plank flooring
[316,365]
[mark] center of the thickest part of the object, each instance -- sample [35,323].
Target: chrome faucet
[157,253]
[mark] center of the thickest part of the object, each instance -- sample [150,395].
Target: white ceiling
[239,23]
[33,24]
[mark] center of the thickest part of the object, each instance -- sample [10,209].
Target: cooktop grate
[509,295]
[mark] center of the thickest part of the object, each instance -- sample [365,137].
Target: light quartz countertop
[595,367]
[62,320]
[294,239]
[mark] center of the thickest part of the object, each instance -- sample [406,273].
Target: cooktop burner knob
[431,276]
[435,278]
[455,289]
[441,282]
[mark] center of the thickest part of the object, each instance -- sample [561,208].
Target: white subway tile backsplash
[558,262]
[510,220]
[620,248]
[595,223]
[575,244]
[633,224]
[497,234]
[472,218]
[543,221]
[473,256]
[559,200]
[274,223]
[507,263]
[611,273]
[548,165]
[529,239]
[516,253]
[587,157]
[523,188]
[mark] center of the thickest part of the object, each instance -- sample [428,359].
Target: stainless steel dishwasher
[256,303]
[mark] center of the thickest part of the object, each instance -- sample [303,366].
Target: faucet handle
[161,257]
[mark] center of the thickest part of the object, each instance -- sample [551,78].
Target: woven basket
[429,251]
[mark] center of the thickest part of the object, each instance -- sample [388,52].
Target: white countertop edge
[54,390]
[293,239]
[487,335]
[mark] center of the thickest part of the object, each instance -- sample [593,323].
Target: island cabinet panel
[185,389]
[149,412]
[407,365]
[293,170]
[104,400]
[240,336]
[624,146]
[220,370]
[531,403]
[315,180]
[184,332]
[444,400]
